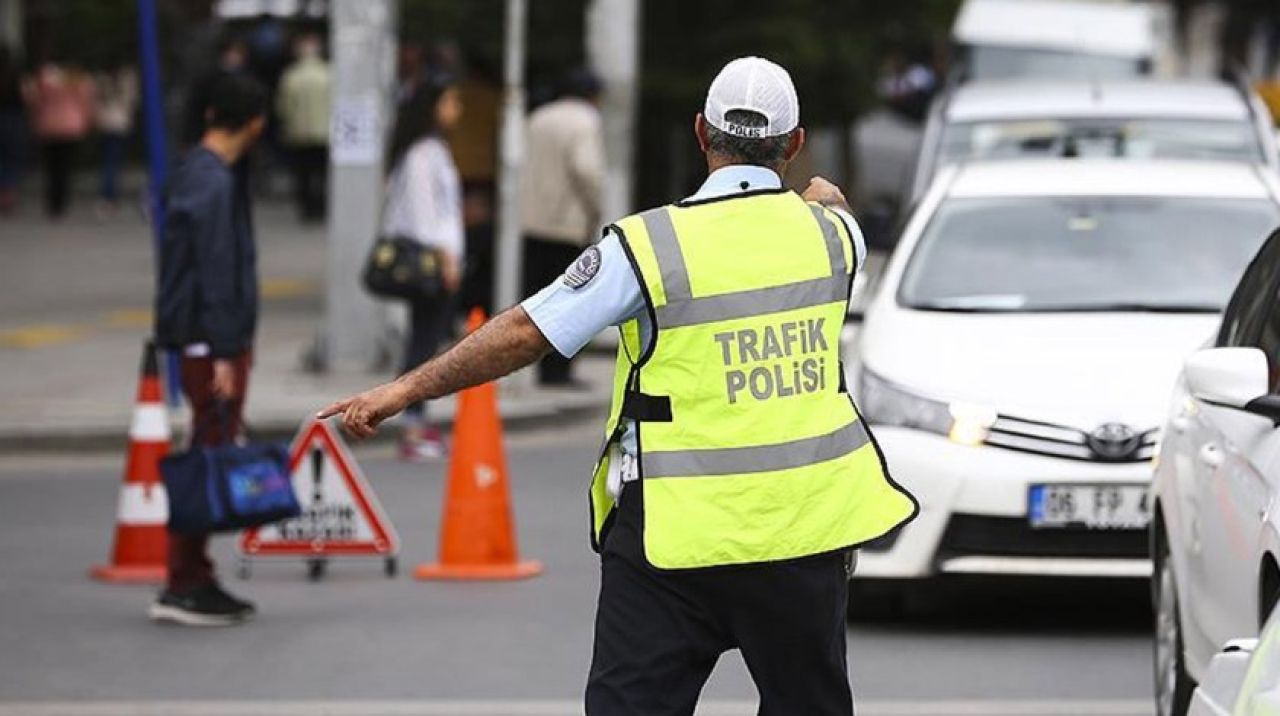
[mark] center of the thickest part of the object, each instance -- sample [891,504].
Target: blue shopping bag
[228,487]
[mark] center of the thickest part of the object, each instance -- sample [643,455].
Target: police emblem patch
[584,269]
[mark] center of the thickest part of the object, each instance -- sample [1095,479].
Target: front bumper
[973,514]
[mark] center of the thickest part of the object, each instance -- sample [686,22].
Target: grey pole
[508,272]
[613,48]
[363,41]
[510,160]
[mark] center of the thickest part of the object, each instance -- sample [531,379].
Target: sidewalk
[74,312]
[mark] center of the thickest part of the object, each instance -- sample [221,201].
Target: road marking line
[1063,707]
[130,318]
[39,336]
[278,288]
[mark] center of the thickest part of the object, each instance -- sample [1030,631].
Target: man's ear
[700,131]
[795,145]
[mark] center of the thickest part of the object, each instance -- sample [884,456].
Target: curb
[516,415]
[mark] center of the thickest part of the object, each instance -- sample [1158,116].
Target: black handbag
[399,267]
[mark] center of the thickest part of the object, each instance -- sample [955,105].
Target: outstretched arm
[505,344]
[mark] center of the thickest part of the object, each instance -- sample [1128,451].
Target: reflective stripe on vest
[757,458]
[682,309]
[758,455]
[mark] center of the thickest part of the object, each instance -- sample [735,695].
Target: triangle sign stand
[341,515]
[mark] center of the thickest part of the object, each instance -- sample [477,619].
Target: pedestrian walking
[13,130]
[302,104]
[560,192]
[424,203]
[736,476]
[60,100]
[207,308]
[117,95]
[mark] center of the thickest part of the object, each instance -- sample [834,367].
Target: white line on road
[1060,707]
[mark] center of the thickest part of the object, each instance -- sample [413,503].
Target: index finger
[333,409]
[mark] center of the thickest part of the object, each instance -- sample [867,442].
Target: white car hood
[1079,370]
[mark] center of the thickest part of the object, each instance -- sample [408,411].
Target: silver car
[1058,38]
[1150,119]
[1215,530]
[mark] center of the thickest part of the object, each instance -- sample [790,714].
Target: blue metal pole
[157,150]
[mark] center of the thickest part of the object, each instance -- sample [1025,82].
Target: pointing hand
[361,414]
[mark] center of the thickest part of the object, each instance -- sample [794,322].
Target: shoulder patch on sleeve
[583,269]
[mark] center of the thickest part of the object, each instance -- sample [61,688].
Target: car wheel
[1173,684]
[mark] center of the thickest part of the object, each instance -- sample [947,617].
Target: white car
[1243,679]
[1216,533]
[1058,38]
[1151,119]
[1016,358]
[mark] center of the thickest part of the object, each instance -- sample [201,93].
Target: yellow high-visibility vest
[750,449]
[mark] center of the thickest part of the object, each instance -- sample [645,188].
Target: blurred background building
[850,60]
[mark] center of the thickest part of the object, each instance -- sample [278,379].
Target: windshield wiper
[1071,308]
[960,308]
[1126,307]
[976,303]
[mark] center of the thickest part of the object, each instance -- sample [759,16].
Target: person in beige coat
[303,106]
[560,192]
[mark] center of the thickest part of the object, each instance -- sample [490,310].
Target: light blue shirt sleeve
[855,233]
[570,317]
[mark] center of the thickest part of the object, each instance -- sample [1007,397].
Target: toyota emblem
[1114,441]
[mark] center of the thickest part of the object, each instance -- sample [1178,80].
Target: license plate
[1104,507]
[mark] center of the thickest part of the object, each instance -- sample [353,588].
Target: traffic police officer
[735,476]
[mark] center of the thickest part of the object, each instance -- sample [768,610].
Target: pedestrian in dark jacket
[207,308]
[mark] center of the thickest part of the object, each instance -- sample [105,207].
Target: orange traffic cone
[141,547]
[477,536]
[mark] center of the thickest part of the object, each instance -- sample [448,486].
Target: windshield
[987,62]
[1085,254]
[1144,138]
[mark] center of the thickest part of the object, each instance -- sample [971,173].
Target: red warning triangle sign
[340,512]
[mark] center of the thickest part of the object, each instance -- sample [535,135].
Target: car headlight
[884,403]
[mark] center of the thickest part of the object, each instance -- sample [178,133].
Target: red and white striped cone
[141,546]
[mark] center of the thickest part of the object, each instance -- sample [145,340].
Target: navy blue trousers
[659,633]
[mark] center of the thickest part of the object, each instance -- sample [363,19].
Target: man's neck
[715,164]
[224,145]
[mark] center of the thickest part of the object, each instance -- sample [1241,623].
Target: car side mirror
[859,295]
[1233,378]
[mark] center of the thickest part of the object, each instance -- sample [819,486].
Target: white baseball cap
[756,85]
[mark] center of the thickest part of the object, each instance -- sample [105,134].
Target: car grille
[1061,441]
[1014,537]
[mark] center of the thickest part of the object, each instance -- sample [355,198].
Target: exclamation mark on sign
[317,469]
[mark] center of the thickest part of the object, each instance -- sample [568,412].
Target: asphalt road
[364,644]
